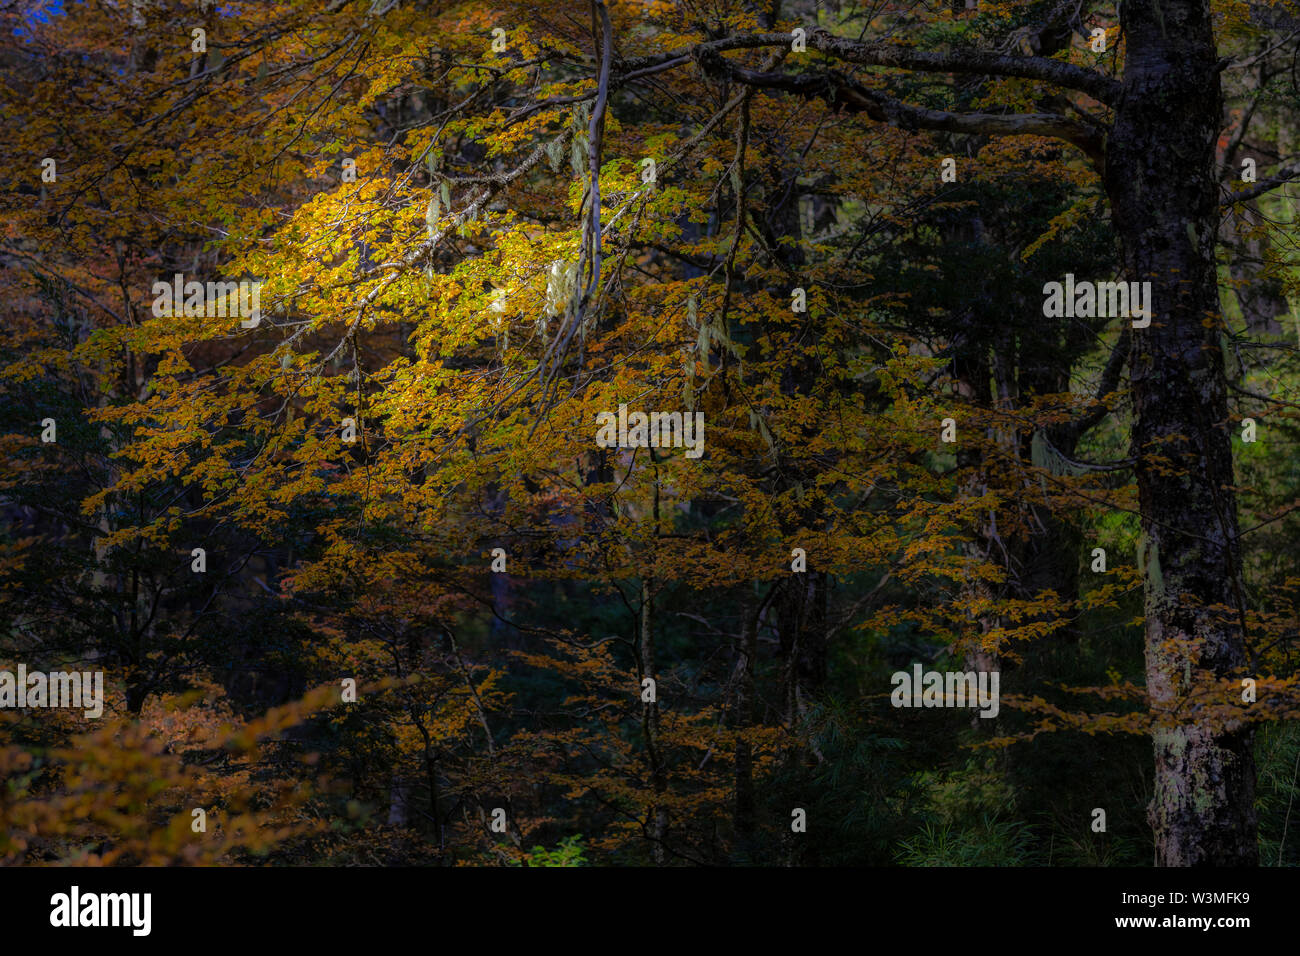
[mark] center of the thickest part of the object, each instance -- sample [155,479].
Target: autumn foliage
[478,226]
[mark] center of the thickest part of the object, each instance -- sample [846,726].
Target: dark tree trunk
[801,612]
[742,718]
[1164,200]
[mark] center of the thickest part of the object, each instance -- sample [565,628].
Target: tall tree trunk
[1164,200]
[974,370]
[802,605]
[742,718]
[657,814]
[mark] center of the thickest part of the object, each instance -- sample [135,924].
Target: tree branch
[844,92]
[1110,379]
[1100,87]
[1264,185]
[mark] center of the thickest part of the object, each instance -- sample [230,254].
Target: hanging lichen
[561,283]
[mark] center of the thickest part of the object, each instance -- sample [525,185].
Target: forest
[650,433]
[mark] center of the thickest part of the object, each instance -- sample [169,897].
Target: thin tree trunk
[1259,296]
[742,718]
[658,815]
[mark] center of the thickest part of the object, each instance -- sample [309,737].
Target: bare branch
[1285,175]
[1100,87]
[843,92]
